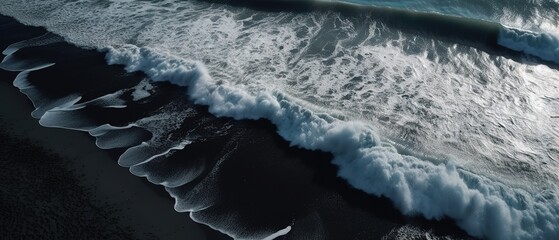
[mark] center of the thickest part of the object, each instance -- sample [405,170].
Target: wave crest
[482,207]
[542,45]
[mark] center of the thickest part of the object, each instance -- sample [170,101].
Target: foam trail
[9,63]
[105,128]
[45,39]
[279,233]
[109,137]
[144,153]
[145,139]
[174,178]
[482,207]
[41,103]
[542,45]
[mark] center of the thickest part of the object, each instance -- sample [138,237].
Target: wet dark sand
[56,184]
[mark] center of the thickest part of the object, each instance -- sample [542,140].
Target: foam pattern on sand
[438,92]
[482,207]
[410,111]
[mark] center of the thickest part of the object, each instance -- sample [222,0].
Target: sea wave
[482,207]
[542,45]
[148,149]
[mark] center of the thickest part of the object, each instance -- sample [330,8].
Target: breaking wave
[425,42]
[542,45]
[482,207]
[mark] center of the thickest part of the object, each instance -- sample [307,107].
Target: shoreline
[142,207]
[312,174]
[144,210]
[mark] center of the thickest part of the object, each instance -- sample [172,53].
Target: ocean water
[447,108]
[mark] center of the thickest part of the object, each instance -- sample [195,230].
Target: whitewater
[448,111]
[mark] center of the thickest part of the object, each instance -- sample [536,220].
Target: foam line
[170,179]
[279,233]
[109,137]
[143,153]
[10,63]
[105,128]
[65,113]
[482,207]
[45,39]
[42,103]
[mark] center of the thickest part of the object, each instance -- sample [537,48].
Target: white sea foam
[481,206]
[142,90]
[45,39]
[109,137]
[433,97]
[279,233]
[11,64]
[41,102]
[490,113]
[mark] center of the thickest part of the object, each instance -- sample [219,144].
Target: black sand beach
[58,184]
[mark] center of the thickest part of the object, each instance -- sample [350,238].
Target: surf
[482,207]
[435,188]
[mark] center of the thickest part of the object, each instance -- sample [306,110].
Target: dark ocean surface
[312,119]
